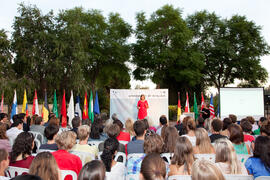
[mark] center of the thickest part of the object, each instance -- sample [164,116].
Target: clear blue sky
[257,11]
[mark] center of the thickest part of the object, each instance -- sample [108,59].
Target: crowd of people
[141,141]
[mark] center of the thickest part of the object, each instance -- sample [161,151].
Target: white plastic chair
[44,150]
[238,177]
[209,157]
[38,136]
[38,144]
[83,156]
[243,158]
[263,178]
[119,154]
[94,143]
[167,156]
[180,177]
[135,155]
[12,171]
[132,177]
[65,173]
[124,142]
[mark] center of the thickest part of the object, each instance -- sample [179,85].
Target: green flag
[91,108]
[195,107]
[55,109]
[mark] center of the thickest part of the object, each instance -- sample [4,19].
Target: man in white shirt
[13,132]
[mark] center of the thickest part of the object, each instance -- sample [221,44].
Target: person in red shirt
[142,106]
[65,160]
[21,150]
[247,129]
[123,136]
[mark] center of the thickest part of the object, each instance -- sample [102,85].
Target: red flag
[187,104]
[202,103]
[35,109]
[85,108]
[2,104]
[64,111]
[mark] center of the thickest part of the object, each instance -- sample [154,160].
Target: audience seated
[50,133]
[216,127]
[114,169]
[153,168]
[200,122]
[259,164]
[45,166]
[237,138]
[94,170]
[226,158]
[83,135]
[38,126]
[129,127]
[253,123]
[183,157]
[203,143]
[257,131]
[17,128]
[123,136]
[190,126]
[170,137]
[136,146]
[20,155]
[205,170]
[265,129]
[247,130]
[150,123]
[65,160]
[4,161]
[4,142]
[162,122]
[233,118]
[226,123]
[76,122]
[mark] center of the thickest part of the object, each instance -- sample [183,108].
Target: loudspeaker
[267,99]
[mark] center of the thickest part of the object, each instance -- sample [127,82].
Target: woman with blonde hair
[190,127]
[183,158]
[226,158]
[45,166]
[170,137]
[203,143]
[205,170]
[129,127]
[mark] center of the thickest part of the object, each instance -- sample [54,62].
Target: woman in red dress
[142,107]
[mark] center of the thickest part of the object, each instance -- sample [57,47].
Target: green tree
[231,48]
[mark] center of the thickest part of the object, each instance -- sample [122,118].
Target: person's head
[76,122]
[236,134]
[233,118]
[3,117]
[107,124]
[44,165]
[200,121]
[22,116]
[83,132]
[262,119]
[183,153]
[139,128]
[3,129]
[146,123]
[95,130]
[205,170]
[66,140]
[23,145]
[163,120]
[246,126]
[265,128]
[129,126]
[153,143]
[27,177]
[142,97]
[114,116]
[153,168]
[94,170]
[170,137]
[110,149]
[4,161]
[203,141]
[189,124]
[17,123]
[226,123]
[119,123]
[113,131]
[225,153]
[51,131]
[55,121]
[261,150]
[38,120]
[250,119]
[207,125]
[86,122]
[216,125]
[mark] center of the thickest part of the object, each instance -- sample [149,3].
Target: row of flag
[195,107]
[73,110]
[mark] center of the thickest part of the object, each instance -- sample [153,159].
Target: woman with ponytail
[114,170]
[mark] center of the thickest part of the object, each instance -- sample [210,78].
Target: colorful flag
[35,109]
[55,108]
[85,107]
[195,107]
[178,108]
[25,105]
[70,113]
[78,111]
[64,111]
[211,108]
[2,104]
[14,109]
[187,104]
[45,109]
[91,108]
[202,102]
[96,106]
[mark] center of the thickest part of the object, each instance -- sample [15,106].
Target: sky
[257,11]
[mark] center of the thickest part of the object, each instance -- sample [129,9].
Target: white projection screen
[242,102]
[123,102]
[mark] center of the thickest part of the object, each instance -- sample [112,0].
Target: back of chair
[123,142]
[243,157]
[94,143]
[45,150]
[135,155]
[209,157]
[132,177]
[238,177]
[180,177]
[65,173]
[13,171]
[119,154]
[167,157]
[38,136]
[83,156]
[263,178]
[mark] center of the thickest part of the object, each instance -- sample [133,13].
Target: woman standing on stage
[142,107]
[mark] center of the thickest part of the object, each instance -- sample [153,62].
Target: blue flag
[78,111]
[14,109]
[96,105]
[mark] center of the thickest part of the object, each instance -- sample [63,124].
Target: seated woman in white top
[226,158]
[114,170]
[190,127]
